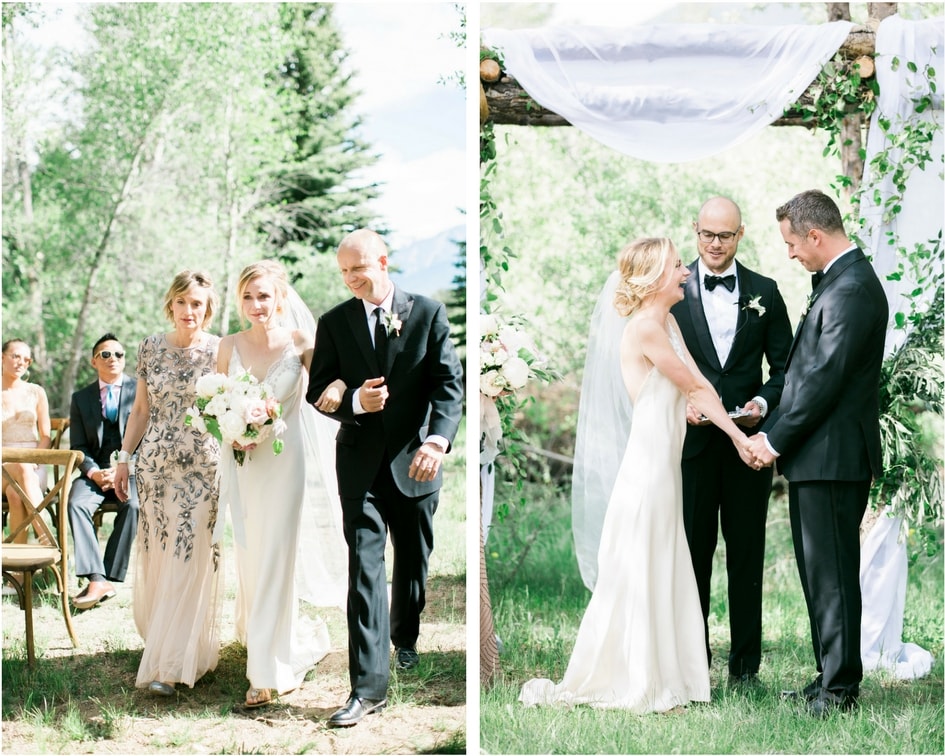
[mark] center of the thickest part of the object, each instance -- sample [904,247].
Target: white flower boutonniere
[811,298]
[392,323]
[753,303]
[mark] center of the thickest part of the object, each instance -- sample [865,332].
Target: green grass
[84,700]
[538,600]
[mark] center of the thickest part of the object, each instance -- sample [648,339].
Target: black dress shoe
[355,710]
[407,658]
[744,680]
[826,703]
[809,693]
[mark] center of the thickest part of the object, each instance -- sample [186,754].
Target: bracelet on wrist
[123,458]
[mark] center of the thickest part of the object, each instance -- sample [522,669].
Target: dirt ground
[84,701]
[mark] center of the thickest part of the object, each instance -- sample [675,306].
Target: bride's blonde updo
[272,269]
[640,264]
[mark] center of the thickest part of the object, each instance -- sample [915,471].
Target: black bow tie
[712,281]
[816,278]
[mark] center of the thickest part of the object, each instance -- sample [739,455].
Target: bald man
[398,420]
[733,320]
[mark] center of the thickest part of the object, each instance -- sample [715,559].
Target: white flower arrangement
[507,357]
[392,323]
[238,411]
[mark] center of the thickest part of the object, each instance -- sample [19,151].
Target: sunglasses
[106,355]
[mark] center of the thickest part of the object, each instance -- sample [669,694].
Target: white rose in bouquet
[516,372]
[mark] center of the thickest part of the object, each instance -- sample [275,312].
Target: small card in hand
[737,412]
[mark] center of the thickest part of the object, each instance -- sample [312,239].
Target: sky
[399,52]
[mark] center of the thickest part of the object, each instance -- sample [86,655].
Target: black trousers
[825,524]
[720,489]
[371,625]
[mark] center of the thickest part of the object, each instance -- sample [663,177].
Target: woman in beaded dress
[177,582]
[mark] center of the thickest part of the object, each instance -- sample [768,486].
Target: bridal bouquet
[238,411]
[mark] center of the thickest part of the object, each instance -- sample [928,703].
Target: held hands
[330,400]
[104,478]
[373,395]
[426,462]
[759,450]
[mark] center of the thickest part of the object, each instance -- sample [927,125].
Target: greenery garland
[912,385]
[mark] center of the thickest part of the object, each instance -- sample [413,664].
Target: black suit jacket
[827,426]
[758,338]
[424,378]
[85,421]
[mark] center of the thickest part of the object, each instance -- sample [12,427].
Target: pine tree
[316,200]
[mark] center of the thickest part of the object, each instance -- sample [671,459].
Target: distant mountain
[428,266]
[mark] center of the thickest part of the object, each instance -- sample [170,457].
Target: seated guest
[26,425]
[97,422]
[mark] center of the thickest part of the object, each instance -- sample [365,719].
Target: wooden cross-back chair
[22,560]
[57,428]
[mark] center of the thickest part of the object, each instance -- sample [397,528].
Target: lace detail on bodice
[282,376]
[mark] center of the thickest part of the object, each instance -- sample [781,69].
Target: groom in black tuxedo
[825,436]
[398,420]
[97,421]
[733,320]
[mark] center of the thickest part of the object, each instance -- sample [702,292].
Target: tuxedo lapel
[125,401]
[357,322]
[699,323]
[745,290]
[401,306]
[836,270]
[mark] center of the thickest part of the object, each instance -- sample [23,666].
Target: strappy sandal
[256,697]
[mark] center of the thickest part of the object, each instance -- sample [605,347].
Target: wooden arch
[502,100]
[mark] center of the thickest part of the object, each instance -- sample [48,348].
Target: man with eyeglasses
[733,320]
[97,422]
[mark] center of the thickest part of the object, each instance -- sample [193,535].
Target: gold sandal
[256,697]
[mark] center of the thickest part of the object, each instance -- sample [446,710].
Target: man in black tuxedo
[97,421]
[398,420]
[733,320]
[825,436]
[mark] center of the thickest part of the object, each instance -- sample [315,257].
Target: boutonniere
[752,303]
[811,298]
[392,323]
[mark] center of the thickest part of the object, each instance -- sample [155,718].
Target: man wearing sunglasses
[733,320]
[97,422]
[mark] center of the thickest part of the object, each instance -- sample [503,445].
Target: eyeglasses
[106,355]
[724,237]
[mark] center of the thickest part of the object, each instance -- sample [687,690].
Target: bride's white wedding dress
[281,644]
[641,645]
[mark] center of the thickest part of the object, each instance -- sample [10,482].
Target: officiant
[733,320]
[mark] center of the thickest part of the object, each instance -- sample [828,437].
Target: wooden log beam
[508,104]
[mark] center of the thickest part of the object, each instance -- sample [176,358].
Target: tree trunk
[77,350]
[509,104]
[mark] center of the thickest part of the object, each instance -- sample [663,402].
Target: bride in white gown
[285,511]
[641,643]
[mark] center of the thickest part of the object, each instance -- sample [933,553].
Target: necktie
[111,403]
[712,281]
[380,337]
[815,279]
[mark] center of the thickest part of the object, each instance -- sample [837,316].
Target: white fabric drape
[668,93]
[883,564]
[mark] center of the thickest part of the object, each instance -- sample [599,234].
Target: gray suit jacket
[85,421]
[827,425]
